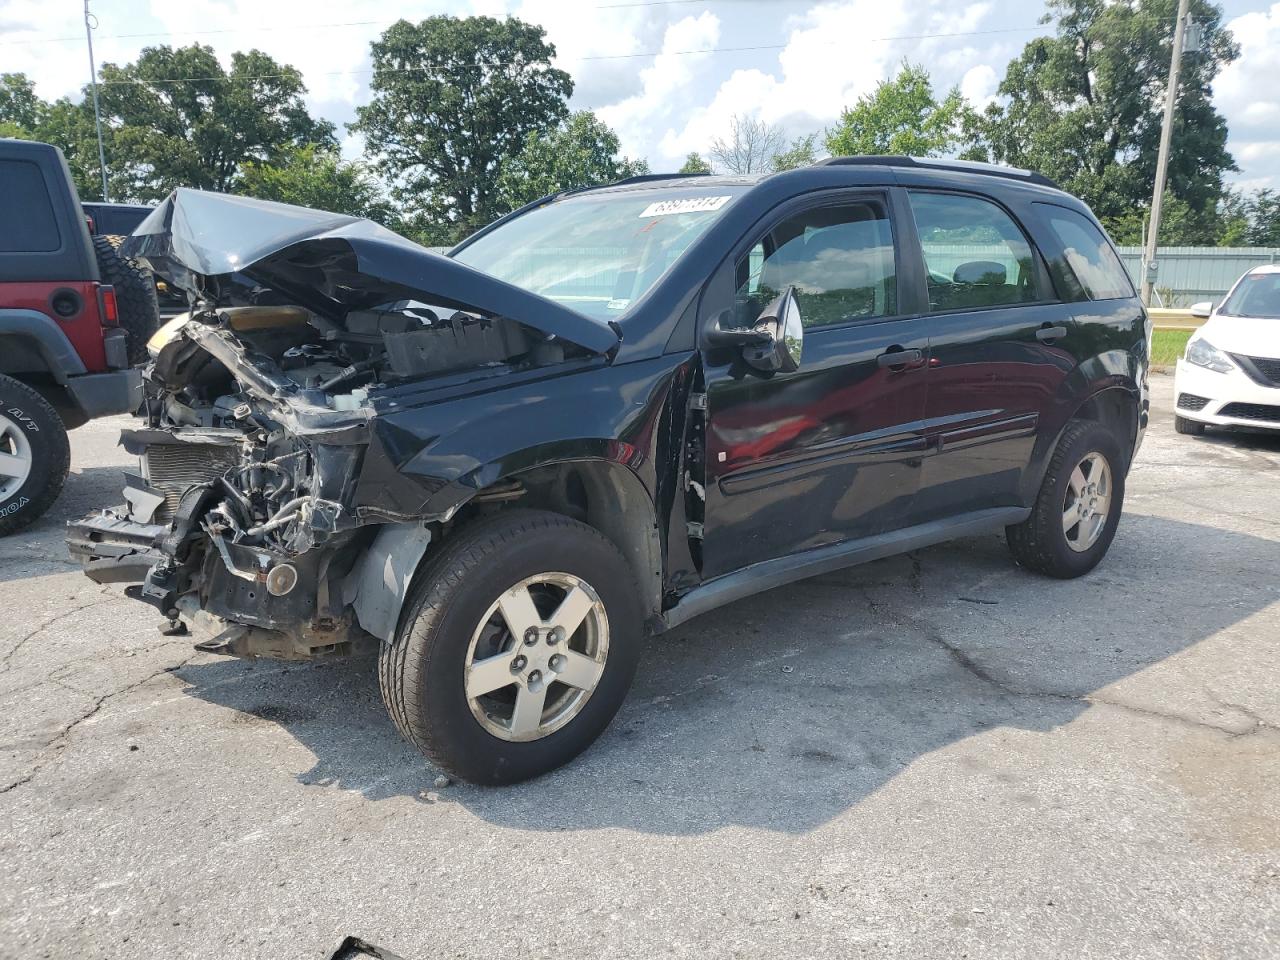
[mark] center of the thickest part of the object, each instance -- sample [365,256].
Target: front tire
[35,455]
[517,647]
[1192,428]
[1078,508]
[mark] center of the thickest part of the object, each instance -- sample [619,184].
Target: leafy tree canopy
[1084,106]
[20,108]
[317,177]
[802,152]
[582,152]
[694,163]
[175,117]
[901,116]
[452,98]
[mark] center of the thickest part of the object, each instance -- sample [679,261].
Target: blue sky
[642,64]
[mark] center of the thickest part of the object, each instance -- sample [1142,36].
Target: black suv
[609,412]
[74,316]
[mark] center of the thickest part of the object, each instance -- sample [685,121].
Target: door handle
[1047,333]
[901,359]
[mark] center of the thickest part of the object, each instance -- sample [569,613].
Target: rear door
[1000,345]
[830,451]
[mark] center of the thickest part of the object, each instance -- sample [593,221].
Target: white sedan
[1230,374]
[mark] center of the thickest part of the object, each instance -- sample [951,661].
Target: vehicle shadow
[784,710]
[40,549]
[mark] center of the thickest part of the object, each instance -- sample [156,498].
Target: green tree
[451,99]
[21,109]
[902,116]
[177,118]
[317,177]
[65,124]
[802,153]
[70,126]
[694,163]
[581,152]
[1084,107]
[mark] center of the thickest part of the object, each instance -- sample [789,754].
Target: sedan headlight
[1204,354]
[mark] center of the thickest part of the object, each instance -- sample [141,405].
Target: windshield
[598,253]
[1256,295]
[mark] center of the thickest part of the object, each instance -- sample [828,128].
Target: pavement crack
[971,666]
[62,739]
[104,598]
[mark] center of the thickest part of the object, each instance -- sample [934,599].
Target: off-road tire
[135,294]
[50,454]
[1039,542]
[421,671]
[1192,428]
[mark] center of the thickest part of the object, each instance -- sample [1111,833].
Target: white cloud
[979,85]
[639,117]
[663,104]
[1248,97]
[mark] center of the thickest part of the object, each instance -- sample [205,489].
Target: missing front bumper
[112,548]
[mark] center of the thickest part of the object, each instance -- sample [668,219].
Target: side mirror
[1203,310]
[774,343]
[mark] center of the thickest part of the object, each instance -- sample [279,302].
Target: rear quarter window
[1101,274]
[27,221]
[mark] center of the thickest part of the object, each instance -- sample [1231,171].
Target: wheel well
[1117,409]
[603,495]
[57,396]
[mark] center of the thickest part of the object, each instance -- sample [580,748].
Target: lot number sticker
[665,208]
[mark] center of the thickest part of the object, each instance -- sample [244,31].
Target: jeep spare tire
[34,455]
[135,294]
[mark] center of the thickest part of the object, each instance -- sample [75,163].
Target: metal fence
[1191,274]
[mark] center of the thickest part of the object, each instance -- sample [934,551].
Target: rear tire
[1087,467]
[35,456]
[432,674]
[135,294]
[1192,428]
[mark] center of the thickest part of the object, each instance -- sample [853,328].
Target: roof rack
[646,177]
[932,163]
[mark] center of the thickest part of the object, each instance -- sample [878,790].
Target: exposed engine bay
[254,518]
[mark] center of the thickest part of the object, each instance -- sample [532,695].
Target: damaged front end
[251,519]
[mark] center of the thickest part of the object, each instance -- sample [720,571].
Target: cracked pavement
[932,755]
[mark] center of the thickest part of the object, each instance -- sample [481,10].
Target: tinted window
[117,220]
[25,209]
[976,256]
[839,259]
[1101,274]
[1256,295]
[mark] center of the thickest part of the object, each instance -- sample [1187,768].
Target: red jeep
[74,318]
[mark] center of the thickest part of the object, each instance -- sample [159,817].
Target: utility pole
[1149,265]
[89,22]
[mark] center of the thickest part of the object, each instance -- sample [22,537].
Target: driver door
[832,450]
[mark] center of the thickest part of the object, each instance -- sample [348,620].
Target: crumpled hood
[1250,336]
[243,251]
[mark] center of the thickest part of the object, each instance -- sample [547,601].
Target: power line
[592,57]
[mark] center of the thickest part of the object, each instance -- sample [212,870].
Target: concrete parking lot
[937,755]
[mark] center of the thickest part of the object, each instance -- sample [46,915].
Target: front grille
[1251,411]
[1189,401]
[174,467]
[1264,370]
